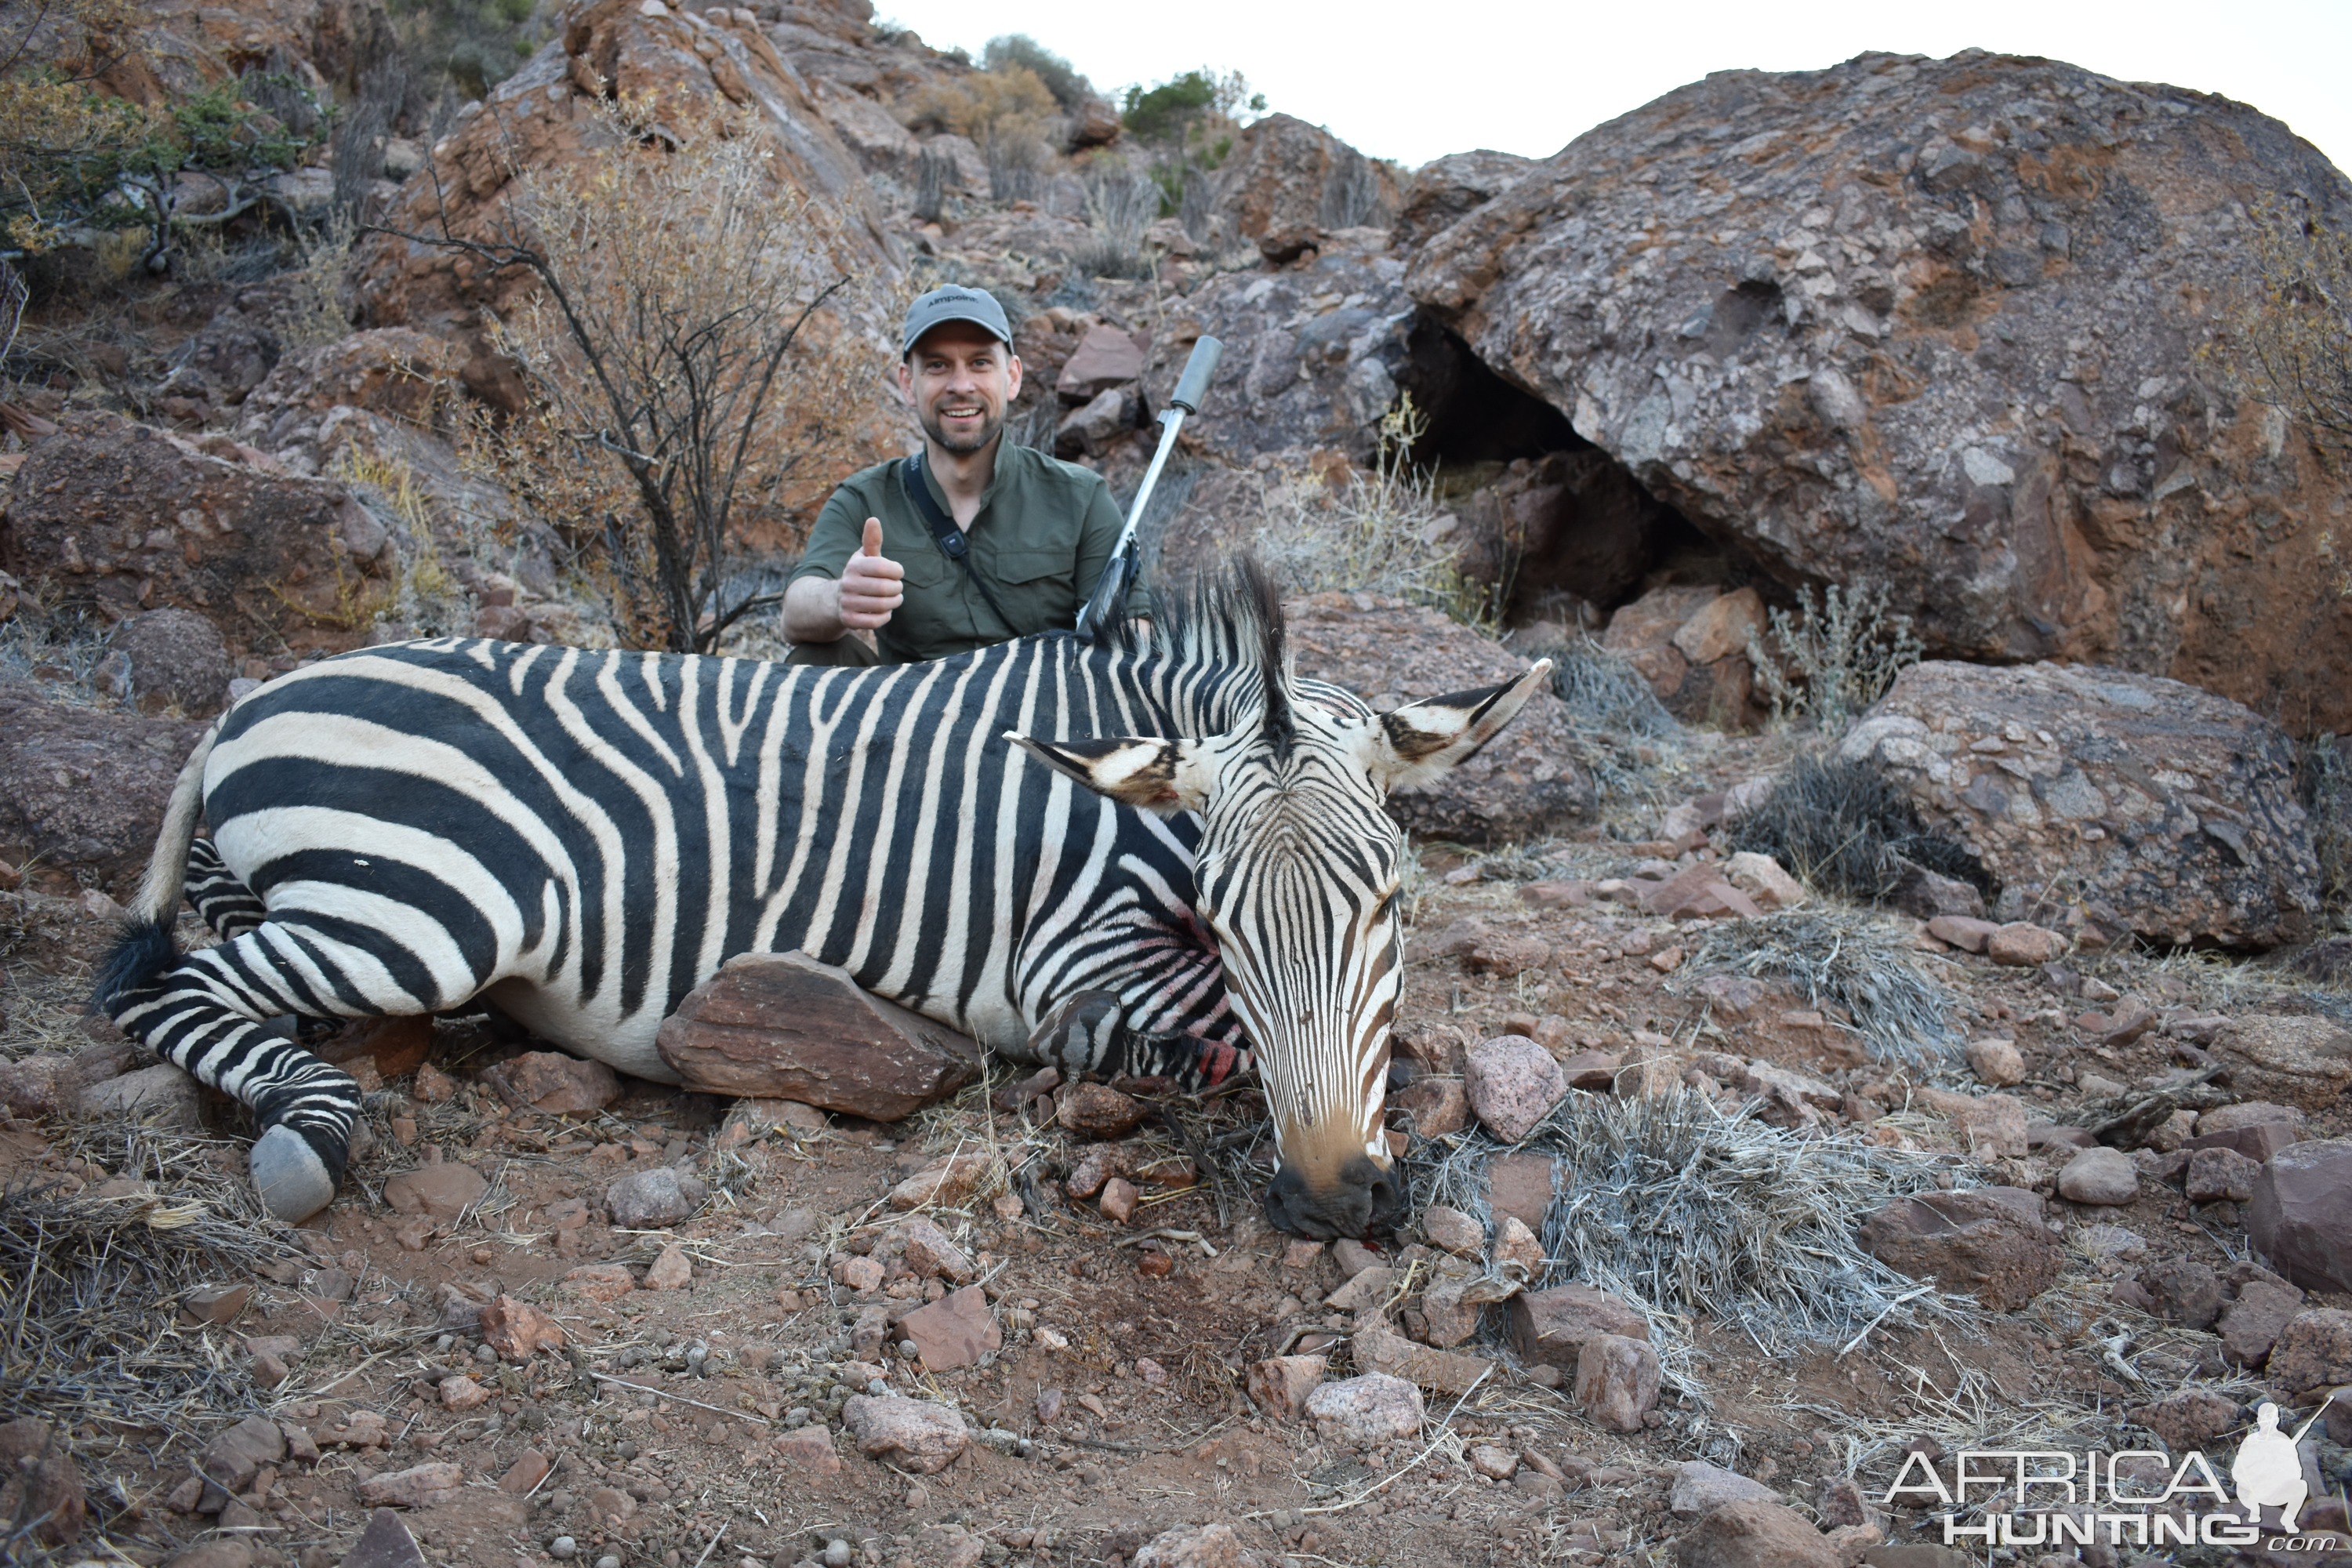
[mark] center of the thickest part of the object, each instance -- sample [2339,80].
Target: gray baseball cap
[953,303]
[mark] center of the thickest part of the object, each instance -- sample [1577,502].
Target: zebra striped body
[581,837]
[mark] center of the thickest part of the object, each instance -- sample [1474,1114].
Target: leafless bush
[2326,778]
[693,350]
[932,172]
[1376,533]
[1834,658]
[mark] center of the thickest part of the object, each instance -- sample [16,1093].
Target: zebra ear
[1422,742]
[1164,776]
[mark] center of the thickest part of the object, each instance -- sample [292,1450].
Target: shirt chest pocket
[927,567]
[1022,565]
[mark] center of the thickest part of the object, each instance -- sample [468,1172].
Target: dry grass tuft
[1683,1209]
[1852,961]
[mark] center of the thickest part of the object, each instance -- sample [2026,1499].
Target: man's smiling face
[959,379]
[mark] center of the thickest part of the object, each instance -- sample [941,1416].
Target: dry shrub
[1833,659]
[1120,206]
[698,351]
[1381,533]
[1845,830]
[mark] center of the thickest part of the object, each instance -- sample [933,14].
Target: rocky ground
[557,1317]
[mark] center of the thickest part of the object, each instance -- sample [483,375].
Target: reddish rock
[2100,1175]
[655,1198]
[122,516]
[1967,934]
[461,1393]
[955,1331]
[2190,1418]
[943,1182]
[1106,358]
[2301,1214]
[2022,945]
[560,1084]
[82,791]
[1204,1546]
[601,1281]
[384,1543]
[2216,1174]
[2259,1142]
[1098,1111]
[444,1191]
[1377,1348]
[1286,183]
[858,1274]
[1551,1327]
[1116,1200]
[930,1253]
[1995,1123]
[236,1456]
[2251,1324]
[914,1434]
[1617,1381]
[1754,1534]
[41,1489]
[670,1270]
[1437,1105]
[530,1469]
[1280,1385]
[1506,955]
[1572,894]
[1520,1185]
[808,1450]
[749,1121]
[1970,1242]
[422,1486]
[2314,1352]
[1453,1231]
[393,1047]
[782,1025]
[1998,1064]
[2302,1061]
[519,1330]
[1700,893]
[1512,1082]
[1701,1488]
[2188,1292]
[1371,1408]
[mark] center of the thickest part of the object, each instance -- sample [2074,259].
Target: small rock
[530,1469]
[1279,1385]
[1553,1326]
[2190,1418]
[1617,1381]
[1098,1112]
[955,1331]
[1365,1291]
[2304,1062]
[601,1281]
[944,1181]
[2301,1214]
[1494,1464]
[2251,1324]
[1761,878]
[2314,1352]
[2099,1175]
[519,1330]
[1301,1253]
[1371,1408]
[1208,1546]
[1985,1241]
[1701,1488]
[1378,1350]
[808,1449]
[1507,956]
[235,1456]
[162,1095]
[859,1274]
[930,1253]
[560,1084]
[1754,1534]
[2216,1174]
[670,1270]
[422,1486]
[749,1121]
[1353,1257]
[1994,1123]
[1512,1082]
[219,1305]
[1517,1248]
[444,1191]
[385,1543]
[1572,894]
[433,1087]
[2188,1292]
[1967,934]
[654,1199]
[1118,1200]
[1451,1230]
[1544,1489]
[1997,1063]
[1438,1106]
[914,1434]
[461,1392]
[2021,945]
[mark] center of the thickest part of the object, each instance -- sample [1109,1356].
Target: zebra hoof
[293,1182]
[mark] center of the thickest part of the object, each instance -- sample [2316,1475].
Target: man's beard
[936,428]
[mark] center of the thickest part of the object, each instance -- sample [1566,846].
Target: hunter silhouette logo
[2047,1498]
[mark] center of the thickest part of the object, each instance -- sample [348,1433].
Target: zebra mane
[1231,617]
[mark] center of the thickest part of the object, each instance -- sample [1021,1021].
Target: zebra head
[1298,872]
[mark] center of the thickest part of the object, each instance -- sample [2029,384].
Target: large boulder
[1445,189]
[543,118]
[122,518]
[82,791]
[1524,785]
[169,658]
[2148,806]
[2301,1217]
[1288,185]
[1935,323]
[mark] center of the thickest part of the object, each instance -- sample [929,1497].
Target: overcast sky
[1412,83]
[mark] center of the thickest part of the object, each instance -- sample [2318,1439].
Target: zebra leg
[204,1012]
[1087,1032]
[228,905]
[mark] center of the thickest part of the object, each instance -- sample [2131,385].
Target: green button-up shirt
[1042,536]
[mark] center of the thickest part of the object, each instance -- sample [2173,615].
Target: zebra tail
[147,947]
